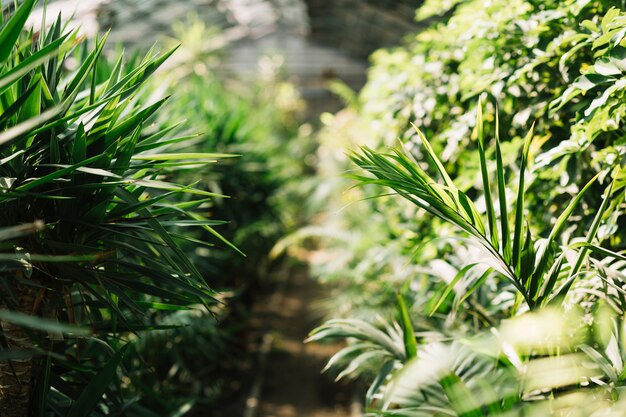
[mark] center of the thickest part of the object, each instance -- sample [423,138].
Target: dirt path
[293,385]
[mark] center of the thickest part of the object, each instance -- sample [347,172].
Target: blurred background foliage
[207,365]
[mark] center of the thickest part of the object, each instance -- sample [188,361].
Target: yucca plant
[533,265]
[79,160]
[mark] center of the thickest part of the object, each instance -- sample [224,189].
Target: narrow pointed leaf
[410,344]
[91,395]
[491,215]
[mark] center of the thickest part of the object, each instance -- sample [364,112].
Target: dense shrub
[485,235]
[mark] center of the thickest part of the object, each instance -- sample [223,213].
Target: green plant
[531,265]
[531,59]
[486,238]
[202,367]
[257,118]
[451,379]
[542,363]
[78,156]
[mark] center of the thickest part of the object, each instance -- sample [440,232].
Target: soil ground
[293,385]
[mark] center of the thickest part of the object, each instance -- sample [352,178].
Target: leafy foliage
[256,120]
[84,173]
[502,227]
[202,365]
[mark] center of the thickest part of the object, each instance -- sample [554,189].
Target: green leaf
[431,153]
[491,214]
[87,66]
[410,344]
[38,323]
[360,330]
[38,58]
[527,263]
[588,81]
[384,372]
[519,207]
[600,250]
[183,156]
[91,395]
[504,216]
[129,84]
[126,126]
[605,67]
[26,128]
[216,234]
[32,107]
[56,174]
[593,229]
[565,215]
[79,145]
[18,104]
[12,29]
[458,277]
[181,258]
[152,305]
[461,398]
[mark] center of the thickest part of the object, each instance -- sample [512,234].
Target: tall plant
[78,158]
